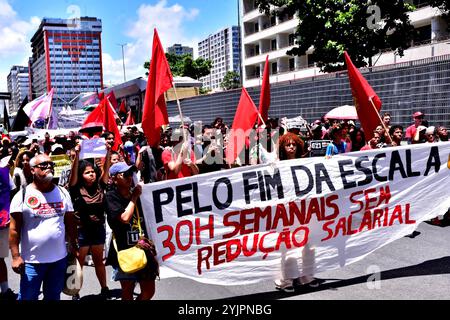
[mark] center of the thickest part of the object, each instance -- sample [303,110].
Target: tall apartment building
[274,35]
[180,50]
[18,85]
[223,49]
[67,56]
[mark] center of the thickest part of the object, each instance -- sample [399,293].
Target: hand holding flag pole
[386,130]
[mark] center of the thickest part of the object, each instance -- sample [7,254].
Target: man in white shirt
[40,218]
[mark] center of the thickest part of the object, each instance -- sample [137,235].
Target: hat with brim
[418,114]
[121,167]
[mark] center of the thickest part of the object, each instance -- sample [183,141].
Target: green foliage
[363,28]
[231,80]
[186,66]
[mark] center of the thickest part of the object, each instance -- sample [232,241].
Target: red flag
[122,108]
[112,98]
[362,94]
[94,119]
[264,99]
[110,124]
[243,122]
[154,113]
[130,119]
[101,95]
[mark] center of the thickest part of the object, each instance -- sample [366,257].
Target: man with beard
[41,215]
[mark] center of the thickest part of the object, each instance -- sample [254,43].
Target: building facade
[223,49]
[67,56]
[18,86]
[274,35]
[180,50]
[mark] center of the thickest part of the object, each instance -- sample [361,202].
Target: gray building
[18,86]
[180,50]
[66,57]
[223,49]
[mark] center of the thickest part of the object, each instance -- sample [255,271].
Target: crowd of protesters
[100,196]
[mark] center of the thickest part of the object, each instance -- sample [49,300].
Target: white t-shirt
[43,230]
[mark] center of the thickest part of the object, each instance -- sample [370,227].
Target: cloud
[168,20]
[15,34]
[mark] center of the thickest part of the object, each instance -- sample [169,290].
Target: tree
[231,80]
[361,27]
[186,66]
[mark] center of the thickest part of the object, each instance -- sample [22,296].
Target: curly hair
[285,139]
[18,162]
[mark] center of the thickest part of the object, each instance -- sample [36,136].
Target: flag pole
[386,130]
[260,118]
[179,111]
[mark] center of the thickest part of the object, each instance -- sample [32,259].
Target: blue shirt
[333,149]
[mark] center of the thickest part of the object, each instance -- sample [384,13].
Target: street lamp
[123,60]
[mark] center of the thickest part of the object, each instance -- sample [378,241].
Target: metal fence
[419,85]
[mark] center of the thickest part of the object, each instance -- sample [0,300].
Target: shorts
[4,242]
[91,236]
[119,275]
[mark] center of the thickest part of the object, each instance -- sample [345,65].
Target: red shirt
[410,132]
[185,171]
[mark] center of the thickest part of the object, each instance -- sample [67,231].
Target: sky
[129,22]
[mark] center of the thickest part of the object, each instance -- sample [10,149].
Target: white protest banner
[294,217]
[93,148]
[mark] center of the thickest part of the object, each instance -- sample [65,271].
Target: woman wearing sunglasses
[86,188]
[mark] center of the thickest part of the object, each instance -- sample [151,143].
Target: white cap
[56,146]
[430,130]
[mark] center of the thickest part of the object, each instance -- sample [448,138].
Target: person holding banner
[121,208]
[291,147]
[87,192]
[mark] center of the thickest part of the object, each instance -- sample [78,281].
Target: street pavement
[410,268]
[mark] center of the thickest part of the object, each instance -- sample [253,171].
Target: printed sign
[319,147]
[62,163]
[256,223]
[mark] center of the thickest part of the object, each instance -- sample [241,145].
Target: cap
[56,146]
[430,130]
[121,167]
[418,114]
[27,142]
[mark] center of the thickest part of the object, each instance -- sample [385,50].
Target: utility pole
[123,61]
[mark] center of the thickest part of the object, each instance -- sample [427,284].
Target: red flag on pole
[110,123]
[264,100]
[122,108]
[130,119]
[243,122]
[154,113]
[367,103]
[112,98]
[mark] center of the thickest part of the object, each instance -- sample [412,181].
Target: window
[273,44]
[291,64]
[274,66]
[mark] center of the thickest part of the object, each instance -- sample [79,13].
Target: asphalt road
[411,268]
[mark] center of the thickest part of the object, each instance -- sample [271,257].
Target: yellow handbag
[132,259]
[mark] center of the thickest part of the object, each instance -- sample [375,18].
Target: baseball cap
[121,167]
[56,146]
[418,114]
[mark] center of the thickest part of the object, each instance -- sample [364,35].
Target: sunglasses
[45,165]
[127,174]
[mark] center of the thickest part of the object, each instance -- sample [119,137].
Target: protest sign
[4,196]
[255,223]
[62,163]
[93,148]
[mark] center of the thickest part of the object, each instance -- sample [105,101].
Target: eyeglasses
[45,165]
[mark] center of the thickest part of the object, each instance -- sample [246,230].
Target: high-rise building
[180,50]
[223,49]
[18,85]
[67,56]
[274,35]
